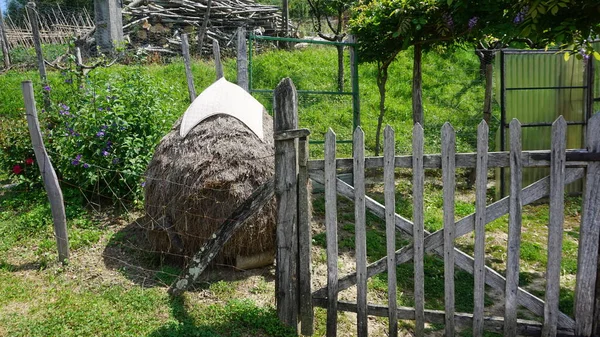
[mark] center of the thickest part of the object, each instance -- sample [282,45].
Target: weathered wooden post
[48,175]
[35,30]
[587,288]
[242,59]
[304,241]
[217,57]
[4,42]
[109,24]
[286,178]
[185,48]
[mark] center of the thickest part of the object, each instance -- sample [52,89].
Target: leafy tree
[331,12]
[386,27]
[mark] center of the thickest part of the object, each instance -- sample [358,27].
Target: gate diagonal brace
[434,241]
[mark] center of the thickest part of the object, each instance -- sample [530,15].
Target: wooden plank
[55,196]
[217,57]
[185,49]
[418,229]
[537,158]
[242,59]
[304,242]
[331,233]
[480,217]
[448,183]
[586,291]
[213,246]
[514,232]
[555,226]
[434,241]
[464,320]
[389,148]
[286,117]
[360,231]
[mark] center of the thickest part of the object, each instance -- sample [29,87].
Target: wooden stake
[48,175]
[185,48]
[4,42]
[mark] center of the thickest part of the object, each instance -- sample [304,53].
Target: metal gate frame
[351,44]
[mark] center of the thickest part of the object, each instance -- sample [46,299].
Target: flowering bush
[103,134]
[100,132]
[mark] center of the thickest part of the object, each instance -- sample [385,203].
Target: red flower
[17,169]
[29,161]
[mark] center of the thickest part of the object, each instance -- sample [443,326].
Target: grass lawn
[115,286]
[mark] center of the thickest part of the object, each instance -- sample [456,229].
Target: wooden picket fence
[296,299]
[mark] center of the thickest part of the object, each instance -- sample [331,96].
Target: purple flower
[100,134]
[86,165]
[63,109]
[115,161]
[47,88]
[143,184]
[105,153]
[68,81]
[75,161]
[473,22]
[100,109]
[521,15]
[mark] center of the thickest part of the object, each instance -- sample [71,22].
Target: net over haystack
[195,182]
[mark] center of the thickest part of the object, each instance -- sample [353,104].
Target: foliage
[104,129]
[570,24]
[97,134]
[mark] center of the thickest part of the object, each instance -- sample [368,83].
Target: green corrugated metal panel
[535,70]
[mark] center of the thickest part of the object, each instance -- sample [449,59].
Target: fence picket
[586,323]
[389,148]
[555,227]
[448,182]
[514,231]
[331,230]
[418,229]
[360,232]
[480,217]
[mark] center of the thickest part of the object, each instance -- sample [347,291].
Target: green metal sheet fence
[536,87]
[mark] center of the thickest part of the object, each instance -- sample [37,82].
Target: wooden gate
[295,298]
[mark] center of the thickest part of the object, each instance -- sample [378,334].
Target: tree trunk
[487,103]
[382,76]
[340,79]
[417,90]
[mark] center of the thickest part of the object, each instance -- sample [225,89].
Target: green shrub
[101,133]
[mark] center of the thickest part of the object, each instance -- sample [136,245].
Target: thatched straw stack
[194,183]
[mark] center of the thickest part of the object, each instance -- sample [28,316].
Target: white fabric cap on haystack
[223,97]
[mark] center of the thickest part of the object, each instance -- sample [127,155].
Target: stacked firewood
[157,24]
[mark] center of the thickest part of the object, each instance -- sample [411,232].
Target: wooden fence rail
[565,165]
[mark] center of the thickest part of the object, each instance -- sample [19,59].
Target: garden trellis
[296,300]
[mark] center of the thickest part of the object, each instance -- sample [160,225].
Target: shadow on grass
[236,318]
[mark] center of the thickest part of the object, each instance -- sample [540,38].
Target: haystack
[194,183]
